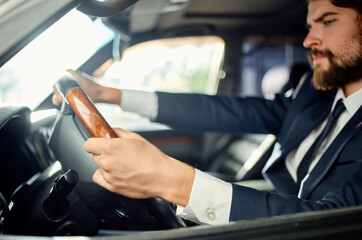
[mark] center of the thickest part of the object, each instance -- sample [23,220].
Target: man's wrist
[111,95]
[178,187]
[209,202]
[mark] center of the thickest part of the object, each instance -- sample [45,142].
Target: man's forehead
[319,7]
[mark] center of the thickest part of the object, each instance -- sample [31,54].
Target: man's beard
[337,75]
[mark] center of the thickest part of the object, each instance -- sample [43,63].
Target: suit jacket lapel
[305,122]
[308,110]
[331,154]
[275,170]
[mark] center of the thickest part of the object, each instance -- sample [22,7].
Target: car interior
[229,47]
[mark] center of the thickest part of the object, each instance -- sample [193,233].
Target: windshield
[29,76]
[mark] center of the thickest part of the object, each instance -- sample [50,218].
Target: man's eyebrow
[326,14]
[321,18]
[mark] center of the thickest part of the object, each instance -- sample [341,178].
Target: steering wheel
[78,120]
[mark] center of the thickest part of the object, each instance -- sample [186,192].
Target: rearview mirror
[104,8]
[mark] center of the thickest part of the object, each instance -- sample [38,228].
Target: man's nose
[312,40]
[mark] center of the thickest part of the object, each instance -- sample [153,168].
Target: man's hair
[354,4]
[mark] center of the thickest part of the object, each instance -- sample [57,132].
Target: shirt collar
[352,103]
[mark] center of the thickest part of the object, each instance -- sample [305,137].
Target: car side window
[258,56]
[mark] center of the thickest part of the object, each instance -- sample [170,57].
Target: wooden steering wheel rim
[91,118]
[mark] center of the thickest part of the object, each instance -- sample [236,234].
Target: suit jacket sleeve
[249,203]
[221,113]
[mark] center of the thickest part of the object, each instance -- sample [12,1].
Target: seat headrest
[281,78]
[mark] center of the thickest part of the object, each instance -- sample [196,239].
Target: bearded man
[317,160]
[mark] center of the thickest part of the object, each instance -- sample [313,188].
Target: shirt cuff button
[211,216]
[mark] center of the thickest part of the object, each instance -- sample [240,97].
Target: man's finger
[121,132]
[94,145]
[57,97]
[126,134]
[97,159]
[99,179]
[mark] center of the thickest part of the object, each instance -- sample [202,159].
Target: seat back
[283,79]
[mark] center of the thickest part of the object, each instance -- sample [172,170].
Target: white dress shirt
[352,103]
[210,199]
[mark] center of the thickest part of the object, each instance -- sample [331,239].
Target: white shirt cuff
[143,103]
[210,200]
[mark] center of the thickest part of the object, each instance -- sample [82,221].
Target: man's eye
[328,22]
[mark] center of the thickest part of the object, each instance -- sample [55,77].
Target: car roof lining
[226,15]
[20,31]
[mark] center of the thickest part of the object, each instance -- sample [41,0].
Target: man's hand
[57,97]
[133,167]
[95,90]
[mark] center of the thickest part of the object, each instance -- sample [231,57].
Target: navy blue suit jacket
[336,180]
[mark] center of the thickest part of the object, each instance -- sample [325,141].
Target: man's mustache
[321,53]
